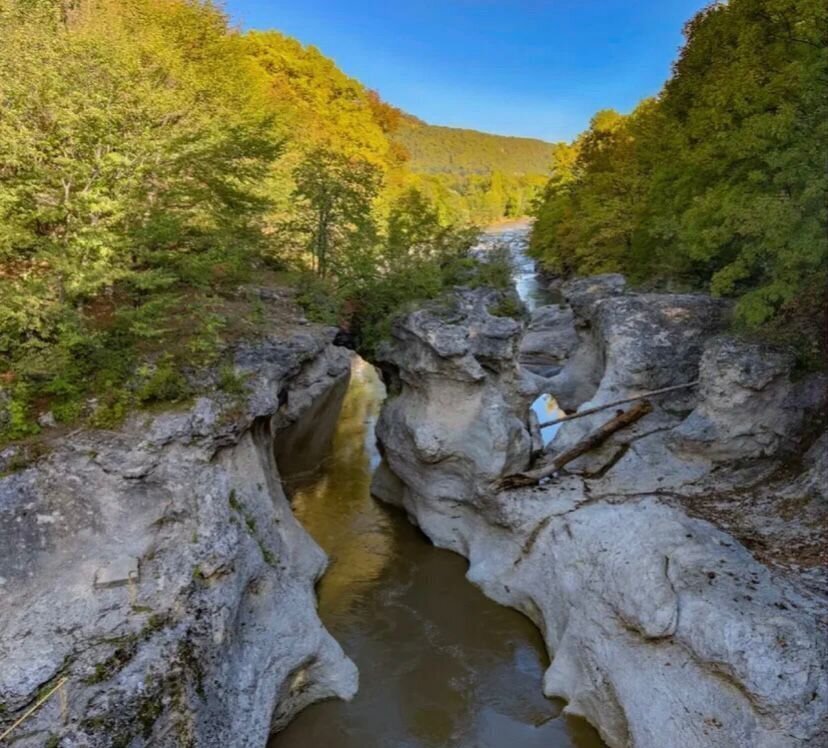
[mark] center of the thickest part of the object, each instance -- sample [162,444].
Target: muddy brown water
[441,666]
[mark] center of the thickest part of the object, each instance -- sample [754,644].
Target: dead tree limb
[593,440]
[598,408]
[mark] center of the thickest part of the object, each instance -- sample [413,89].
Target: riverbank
[665,628]
[156,584]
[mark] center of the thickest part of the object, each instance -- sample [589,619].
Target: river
[441,666]
[515,237]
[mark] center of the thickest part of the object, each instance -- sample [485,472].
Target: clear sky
[518,67]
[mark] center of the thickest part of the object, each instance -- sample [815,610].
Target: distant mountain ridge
[435,149]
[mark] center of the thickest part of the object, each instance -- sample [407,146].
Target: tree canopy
[435,149]
[153,158]
[474,176]
[721,181]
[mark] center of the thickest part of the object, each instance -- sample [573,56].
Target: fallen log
[599,408]
[621,420]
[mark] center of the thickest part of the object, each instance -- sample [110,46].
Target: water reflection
[547,409]
[440,665]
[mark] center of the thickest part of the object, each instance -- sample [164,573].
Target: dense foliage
[133,139]
[152,159]
[434,150]
[474,176]
[720,182]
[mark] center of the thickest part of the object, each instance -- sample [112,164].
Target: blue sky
[522,67]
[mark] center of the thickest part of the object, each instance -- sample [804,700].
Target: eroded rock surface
[749,404]
[460,401]
[159,570]
[672,620]
[549,340]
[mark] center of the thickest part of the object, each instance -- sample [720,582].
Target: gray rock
[749,405]
[815,478]
[159,569]
[461,404]
[9,458]
[664,629]
[637,343]
[550,339]
[653,340]
[582,293]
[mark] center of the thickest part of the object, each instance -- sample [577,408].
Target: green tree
[336,194]
[413,226]
[720,182]
[133,139]
[418,258]
[107,176]
[741,184]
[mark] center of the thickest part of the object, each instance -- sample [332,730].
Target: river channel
[441,666]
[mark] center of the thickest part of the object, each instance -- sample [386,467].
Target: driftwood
[599,408]
[595,439]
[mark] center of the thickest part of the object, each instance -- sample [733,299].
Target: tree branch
[598,408]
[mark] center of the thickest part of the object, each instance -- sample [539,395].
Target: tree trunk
[598,408]
[593,440]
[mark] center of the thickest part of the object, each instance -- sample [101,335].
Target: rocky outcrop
[158,572]
[749,404]
[581,294]
[668,628]
[459,402]
[550,339]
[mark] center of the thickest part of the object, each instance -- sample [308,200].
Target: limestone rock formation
[159,570]
[460,403]
[641,565]
[582,293]
[549,340]
[749,403]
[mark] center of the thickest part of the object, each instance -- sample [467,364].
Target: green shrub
[230,381]
[111,409]
[19,420]
[495,270]
[165,383]
[508,306]
[320,298]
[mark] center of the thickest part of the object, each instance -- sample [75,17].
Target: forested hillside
[152,159]
[449,150]
[474,176]
[718,183]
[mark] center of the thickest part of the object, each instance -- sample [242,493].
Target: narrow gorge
[159,579]
[413,375]
[677,572]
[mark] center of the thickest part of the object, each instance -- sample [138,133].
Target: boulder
[814,481]
[582,293]
[549,340]
[458,401]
